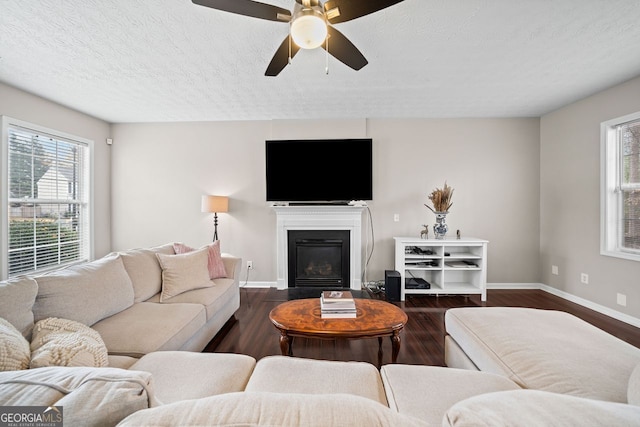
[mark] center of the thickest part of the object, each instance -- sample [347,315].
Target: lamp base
[215,226]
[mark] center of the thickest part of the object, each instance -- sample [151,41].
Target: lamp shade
[309,29]
[215,204]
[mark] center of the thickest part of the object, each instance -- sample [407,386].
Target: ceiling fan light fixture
[309,28]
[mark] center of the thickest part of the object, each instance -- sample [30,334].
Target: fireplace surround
[320,217]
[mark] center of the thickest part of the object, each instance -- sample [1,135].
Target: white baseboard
[258,284]
[634,321]
[514,285]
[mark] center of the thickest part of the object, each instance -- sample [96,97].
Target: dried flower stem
[441,199]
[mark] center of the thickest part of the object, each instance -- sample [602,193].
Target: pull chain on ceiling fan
[310,26]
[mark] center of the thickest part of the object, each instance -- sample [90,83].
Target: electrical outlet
[249,265]
[584,278]
[396,217]
[622,300]
[554,270]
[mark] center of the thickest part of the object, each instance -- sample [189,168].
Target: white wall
[492,164]
[30,108]
[570,201]
[161,170]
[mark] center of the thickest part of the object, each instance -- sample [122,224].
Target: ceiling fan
[310,26]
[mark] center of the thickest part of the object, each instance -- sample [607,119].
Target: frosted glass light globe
[309,31]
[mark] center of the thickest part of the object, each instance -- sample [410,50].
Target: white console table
[450,266]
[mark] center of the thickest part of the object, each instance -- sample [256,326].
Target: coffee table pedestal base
[286,345]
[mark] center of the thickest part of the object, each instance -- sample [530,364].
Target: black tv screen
[319,170]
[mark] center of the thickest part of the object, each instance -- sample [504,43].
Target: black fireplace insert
[319,258]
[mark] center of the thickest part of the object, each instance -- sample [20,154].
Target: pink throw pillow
[214,264]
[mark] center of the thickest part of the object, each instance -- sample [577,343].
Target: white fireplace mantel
[320,217]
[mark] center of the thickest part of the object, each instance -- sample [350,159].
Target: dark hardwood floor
[422,338]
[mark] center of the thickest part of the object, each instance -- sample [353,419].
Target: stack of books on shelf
[461,264]
[337,305]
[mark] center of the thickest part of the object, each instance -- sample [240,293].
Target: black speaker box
[392,285]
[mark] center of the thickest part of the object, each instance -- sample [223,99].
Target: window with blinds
[621,187]
[47,197]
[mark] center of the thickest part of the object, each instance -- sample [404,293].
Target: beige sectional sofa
[119,296]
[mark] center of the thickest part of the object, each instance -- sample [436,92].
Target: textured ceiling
[171,60]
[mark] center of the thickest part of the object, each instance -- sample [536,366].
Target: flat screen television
[319,170]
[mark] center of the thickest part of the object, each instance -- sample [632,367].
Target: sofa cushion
[14,348]
[427,392]
[89,396]
[86,292]
[184,272]
[63,342]
[273,409]
[16,303]
[545,350]
[122,362]
[539,408]
[633,389]
[157,327]
[283,374]
[212,298]
[144,269]
[178,375]
[214,263]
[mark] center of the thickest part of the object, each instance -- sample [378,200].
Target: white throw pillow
[215,263]
[63,342]
[184,272]
[14,348]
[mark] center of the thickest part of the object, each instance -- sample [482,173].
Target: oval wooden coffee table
[374,319]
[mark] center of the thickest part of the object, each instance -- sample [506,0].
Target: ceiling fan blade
[281,58]
[248,8]
[352,9]
[343,50]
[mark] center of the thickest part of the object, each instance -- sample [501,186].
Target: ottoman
[427,392]
[283,374]
[183,375]
[544,350]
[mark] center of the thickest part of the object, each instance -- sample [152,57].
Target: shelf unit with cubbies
[448,266]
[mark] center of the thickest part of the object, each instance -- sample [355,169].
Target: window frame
[611,203]
[8,122]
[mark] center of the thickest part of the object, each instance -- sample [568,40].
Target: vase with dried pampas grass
[441,200]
